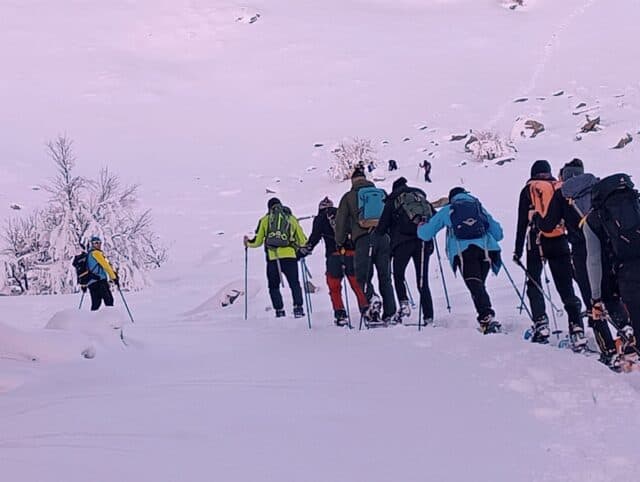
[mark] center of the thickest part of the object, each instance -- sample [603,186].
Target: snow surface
[207,110]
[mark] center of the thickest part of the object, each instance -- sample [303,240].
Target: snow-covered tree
[350,154]
[38,250]
[488,145]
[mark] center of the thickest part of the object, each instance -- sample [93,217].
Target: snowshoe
[489,326]
[298,312]
[341,318]
[405,310]
[578,340]
[280,314]
[540,331]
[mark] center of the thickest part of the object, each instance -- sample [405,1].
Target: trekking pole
[82,299]
[306,298]
[524,288]
[367,288]
[621,334]
[553,313]
[520,295]
[539,288]
[406,286]
[444,283]
[420,281]
[125,304]
[246,295]
[346,298]
[306,284]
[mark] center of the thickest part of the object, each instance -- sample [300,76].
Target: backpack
[577,191]
[81,264]
[414,209]
[370,206]
[468,220]
[541,192]
[278,228]
[616,203]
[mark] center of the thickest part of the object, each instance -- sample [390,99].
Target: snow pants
[339,266]
[475,267]
[287,267]
[629,284]
[375,250]
[100,292]
[413,250]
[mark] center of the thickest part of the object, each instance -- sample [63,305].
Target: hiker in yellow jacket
[101,273]
[281,235]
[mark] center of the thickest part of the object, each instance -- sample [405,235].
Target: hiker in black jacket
[339,263]
[543,246]
[405,246]
[569,205]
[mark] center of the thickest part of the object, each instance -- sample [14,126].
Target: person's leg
[334,281]
[629,284]
[96,295]
[475,268]
[349,270]
[534,284]
[401,256]
[382,261]
[273,281]
[289,268]
[363,263]
[107,296]
[421,254]
[562,274]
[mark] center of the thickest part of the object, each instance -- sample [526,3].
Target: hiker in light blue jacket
[471,245]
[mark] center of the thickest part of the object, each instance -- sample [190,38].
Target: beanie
[540,167]
[357,173]
[272,202]
[455,191]
[398,183]
[325,203]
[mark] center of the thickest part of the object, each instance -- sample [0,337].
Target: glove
[84,289]
[116,281]
[245,241]
[598,311]
[517,257]
[304,251]
[341,250]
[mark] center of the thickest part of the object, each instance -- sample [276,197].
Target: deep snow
[207,112]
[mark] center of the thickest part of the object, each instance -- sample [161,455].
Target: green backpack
[279,228]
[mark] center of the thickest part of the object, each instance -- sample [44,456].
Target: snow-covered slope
[207,104]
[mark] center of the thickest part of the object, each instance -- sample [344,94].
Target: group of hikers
[585,229]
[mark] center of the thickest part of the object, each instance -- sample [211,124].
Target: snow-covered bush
[350,154]
[487,145]
[37,250]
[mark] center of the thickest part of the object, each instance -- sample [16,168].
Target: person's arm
[495,230]
[102,261]
[316,232]
[594,261]
[261,232]
[342,220]
[428,230]
[386,218]
[523,221]
[554,214]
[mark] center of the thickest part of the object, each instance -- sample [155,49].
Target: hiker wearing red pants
[339,263]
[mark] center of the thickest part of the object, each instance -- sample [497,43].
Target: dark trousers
[337,267]
[556,253]
[419,252]
[475,268]
[629,285]
[374,250]
[426,177]
[289,268]
[100,292]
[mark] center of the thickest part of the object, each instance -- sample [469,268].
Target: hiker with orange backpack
[542,247]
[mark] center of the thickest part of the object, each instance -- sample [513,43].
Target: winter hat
[272,202]
[95,239]
[357,173]
[325,203]
[571,169]
[398,183]
[540,167]
[455,191]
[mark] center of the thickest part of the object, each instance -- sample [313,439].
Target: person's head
[399,183]
[325,203]
[455,191]
[358,174]
[541,168]
[573,168]
[95,242]
[274,201]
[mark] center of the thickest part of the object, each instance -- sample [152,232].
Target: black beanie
[455,191]
[540,167]
[398,183]
[272,202]
[357,173]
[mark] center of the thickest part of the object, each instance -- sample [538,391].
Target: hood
[360,182]
[577,186]
[463,196]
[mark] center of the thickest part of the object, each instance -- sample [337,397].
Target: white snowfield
[208,104]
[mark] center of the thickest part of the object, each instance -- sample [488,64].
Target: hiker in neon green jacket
[281,234]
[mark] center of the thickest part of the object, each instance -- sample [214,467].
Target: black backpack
[412,208]
[616,204]
[81,264]
[468,220]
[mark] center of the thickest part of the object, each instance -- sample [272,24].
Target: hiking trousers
[556,252]
[374,250]
[100,292]
[402,254]
[337,267]
[475,266]
[629,285]
[289,269]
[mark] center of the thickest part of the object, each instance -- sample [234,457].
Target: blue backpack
[370,206]
[468,220]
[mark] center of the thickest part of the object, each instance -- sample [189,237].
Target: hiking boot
[612,360]
[405,309]
[341,318]
[628,339]
[489,326]
[280,313]
[578,340]
[541,330]
[375,307]
[389,319]
[298,312]
[427,322]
